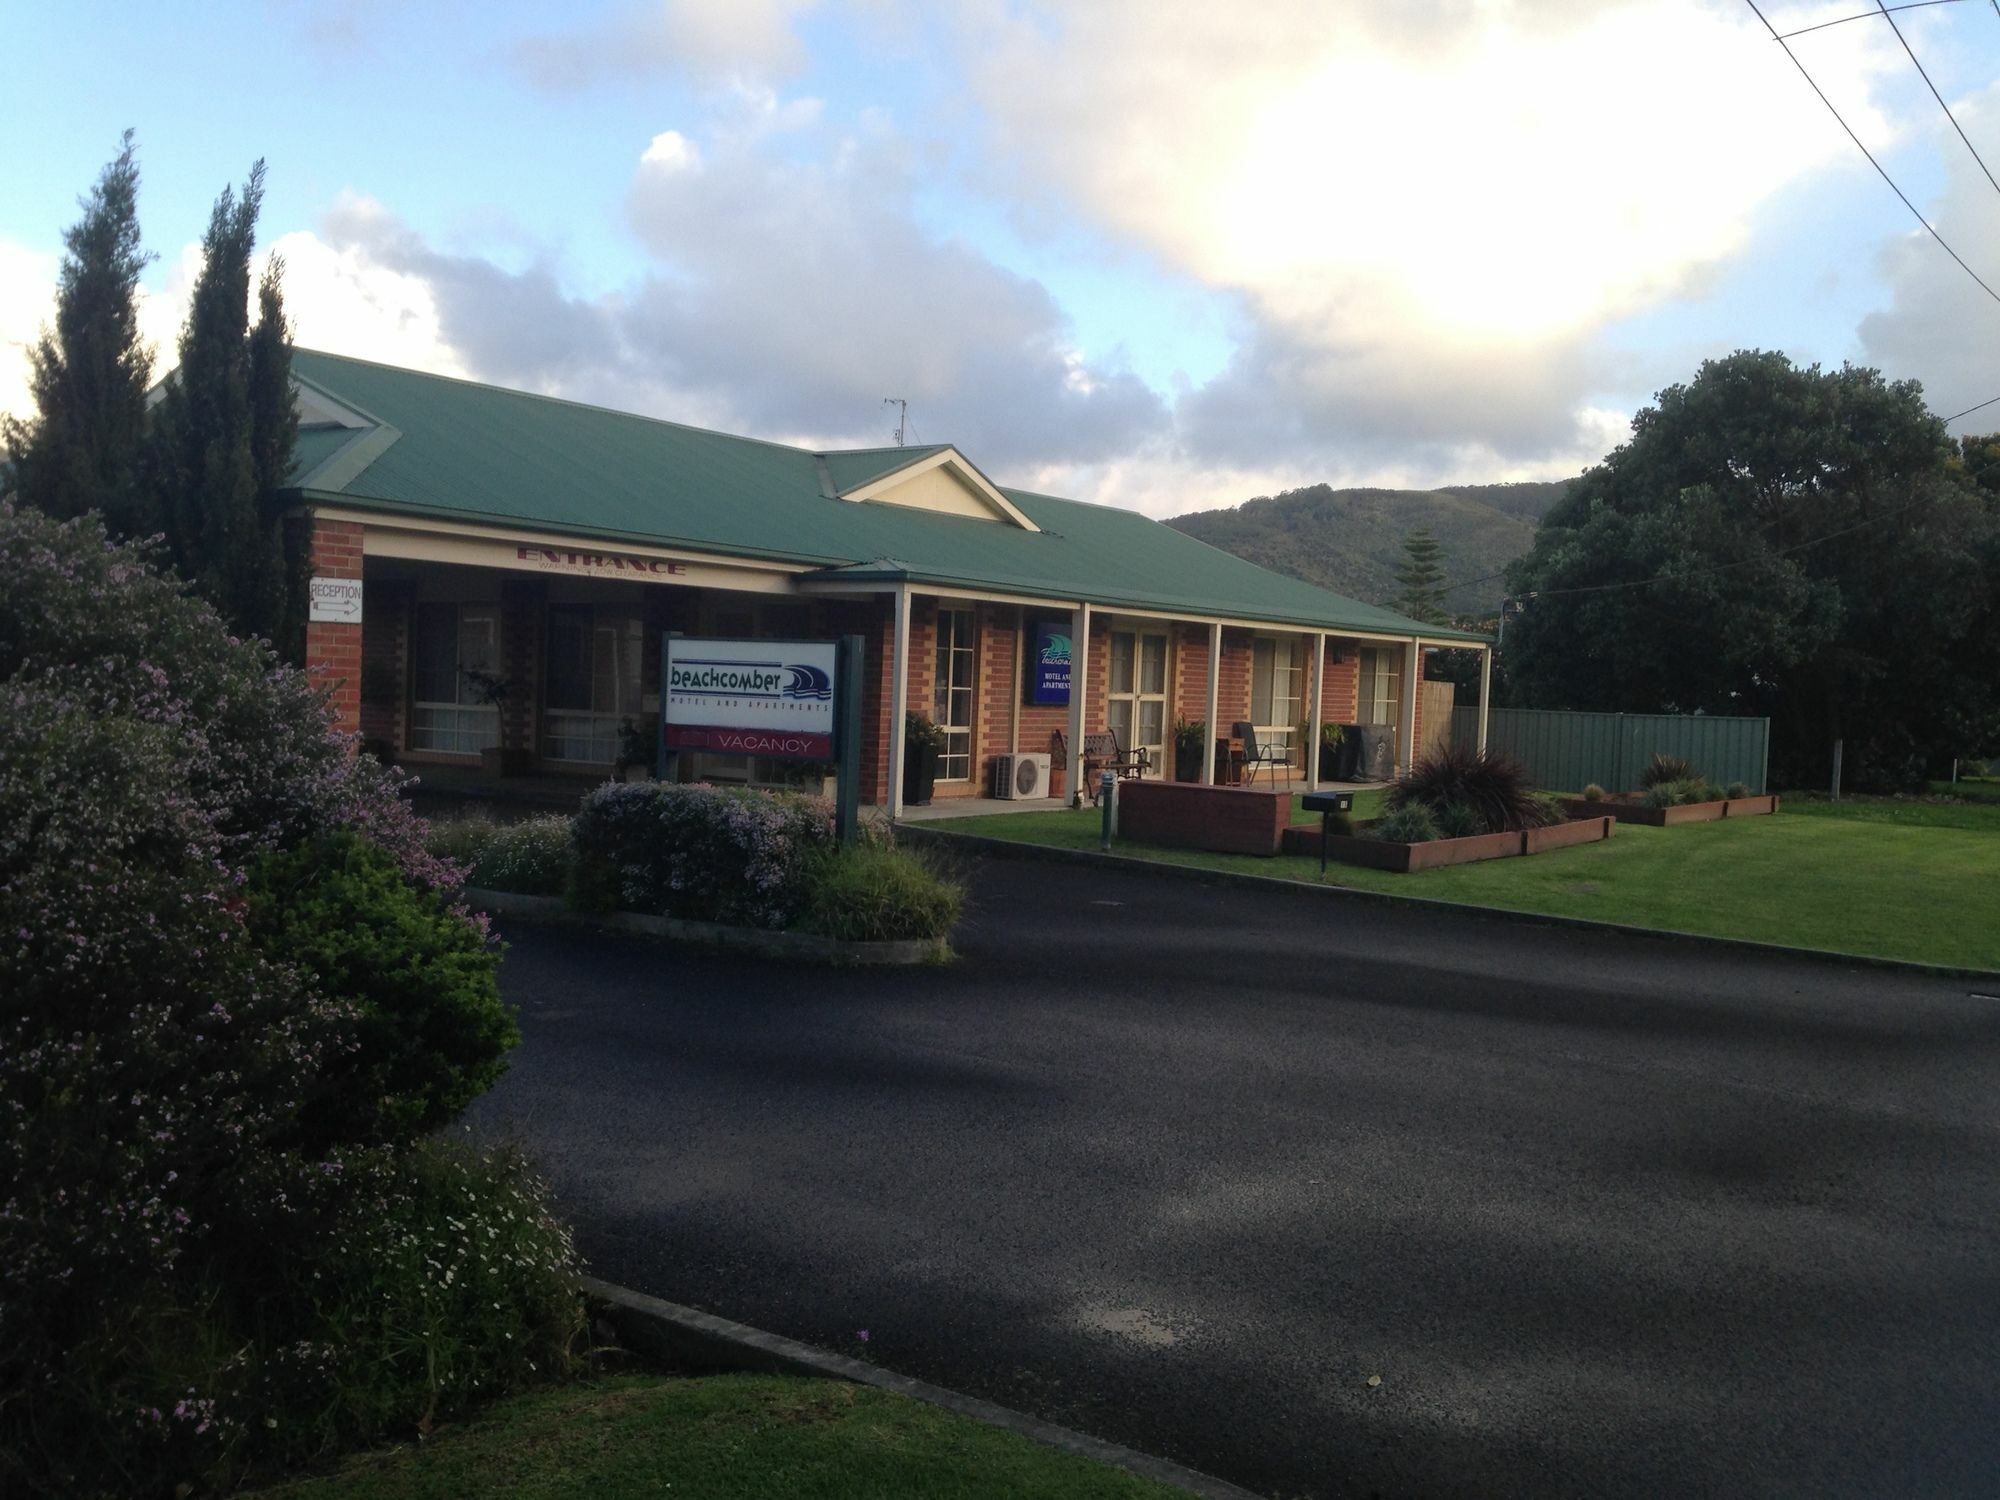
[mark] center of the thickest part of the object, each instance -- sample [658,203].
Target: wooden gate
[1436,707]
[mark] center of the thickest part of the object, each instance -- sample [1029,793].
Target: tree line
[196,464]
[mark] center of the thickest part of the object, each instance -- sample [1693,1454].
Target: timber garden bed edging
[772,943]
[1434,854]
[1632,810]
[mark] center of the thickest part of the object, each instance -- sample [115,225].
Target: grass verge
[720,1437]
[1885,877]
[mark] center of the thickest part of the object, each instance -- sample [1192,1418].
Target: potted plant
[1188,735]
[922,742]
[635,751]
[491,690]
[1330,736]
[816,778]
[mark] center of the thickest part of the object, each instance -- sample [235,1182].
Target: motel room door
[1136,710]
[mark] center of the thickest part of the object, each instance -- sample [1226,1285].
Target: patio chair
[1255,755]
[1102,752]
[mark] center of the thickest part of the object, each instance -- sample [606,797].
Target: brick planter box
[1404,859]
[1220,819]
[1631,810]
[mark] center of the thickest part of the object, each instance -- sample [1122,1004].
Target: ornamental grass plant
[1493,788]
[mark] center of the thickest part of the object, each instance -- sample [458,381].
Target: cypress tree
[81,451]
[274,432]
[223,433]
[1422,578]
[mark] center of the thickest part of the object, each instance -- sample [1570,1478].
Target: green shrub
[529,858]
[1495,786]
[1976,769]
[1412,823]
[1595,793]
[1736,789]
[1680,793]
[1457,821]
[1663,767]
[431,1031]
[350,1299]
[461,840]
[710,854]
[877,891]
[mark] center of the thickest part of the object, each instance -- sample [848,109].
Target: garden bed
[1432,854]
[1630,809]
[810,946]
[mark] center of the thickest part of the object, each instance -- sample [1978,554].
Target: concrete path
[1186,1167]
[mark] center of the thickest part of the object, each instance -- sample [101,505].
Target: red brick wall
[999,647]
[333,649]
[1228,820]
[523,618]
[385,656]
[1190,672]
[1343,682]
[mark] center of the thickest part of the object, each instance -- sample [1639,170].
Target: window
[951,708]
[1381,691]
[451,641]
[1136,707]
[593,681]
[1276,693]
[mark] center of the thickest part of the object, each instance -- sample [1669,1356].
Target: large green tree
[89,374]
[1421,578]
[223,435]
[1778,541]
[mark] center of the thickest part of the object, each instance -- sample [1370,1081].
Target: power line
[1869,15]
[1871,155]
[1940,97]
[1984,404]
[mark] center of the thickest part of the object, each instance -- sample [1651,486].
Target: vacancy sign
[335,601]
[749,697]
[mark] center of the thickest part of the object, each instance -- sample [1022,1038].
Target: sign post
[847,733]
[784,700]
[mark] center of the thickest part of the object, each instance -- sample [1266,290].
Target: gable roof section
[454,450]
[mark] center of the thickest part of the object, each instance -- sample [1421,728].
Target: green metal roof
[469,452]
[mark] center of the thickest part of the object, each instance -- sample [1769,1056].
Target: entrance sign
[1048,681]
[789,700]
[334,600]
[772,698]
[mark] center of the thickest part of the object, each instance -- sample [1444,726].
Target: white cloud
[712,42]
[1428,211]
[1939,327]
[27,306]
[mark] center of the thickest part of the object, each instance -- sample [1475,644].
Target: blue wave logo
[807,682]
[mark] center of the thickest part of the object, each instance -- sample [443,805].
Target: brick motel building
[549,544]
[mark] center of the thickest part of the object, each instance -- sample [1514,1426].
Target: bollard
[1107,793]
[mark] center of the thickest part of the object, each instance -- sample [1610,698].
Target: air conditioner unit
[1017,776]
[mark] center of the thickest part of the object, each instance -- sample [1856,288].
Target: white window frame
[461,726]
[956,681]
[1288,672]
[1135,695]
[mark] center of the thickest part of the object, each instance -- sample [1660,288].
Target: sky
[1155,253]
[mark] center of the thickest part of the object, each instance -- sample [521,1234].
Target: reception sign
[1048,668]
[773,698]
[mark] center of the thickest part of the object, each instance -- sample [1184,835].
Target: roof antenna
[902,415]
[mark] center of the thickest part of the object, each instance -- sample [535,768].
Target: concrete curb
[694,1340]
[809,946]
[1130,864]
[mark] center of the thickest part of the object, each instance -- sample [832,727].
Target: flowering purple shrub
[262,764]
[155,1055]
[712,854]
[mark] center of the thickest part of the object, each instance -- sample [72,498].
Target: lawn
[1890,877]
[720,1437]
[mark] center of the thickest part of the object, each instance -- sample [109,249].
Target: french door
[1136,710]
[1277,694]
[951,709]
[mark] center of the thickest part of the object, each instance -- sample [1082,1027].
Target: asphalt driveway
[1186,1166]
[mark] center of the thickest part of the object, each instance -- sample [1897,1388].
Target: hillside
[1351,541]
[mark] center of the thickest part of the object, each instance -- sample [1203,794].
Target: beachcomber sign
[1048,682]
[749,697]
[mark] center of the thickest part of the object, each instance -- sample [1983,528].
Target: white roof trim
[961,469]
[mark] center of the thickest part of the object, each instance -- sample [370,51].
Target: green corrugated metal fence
[1567,750]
